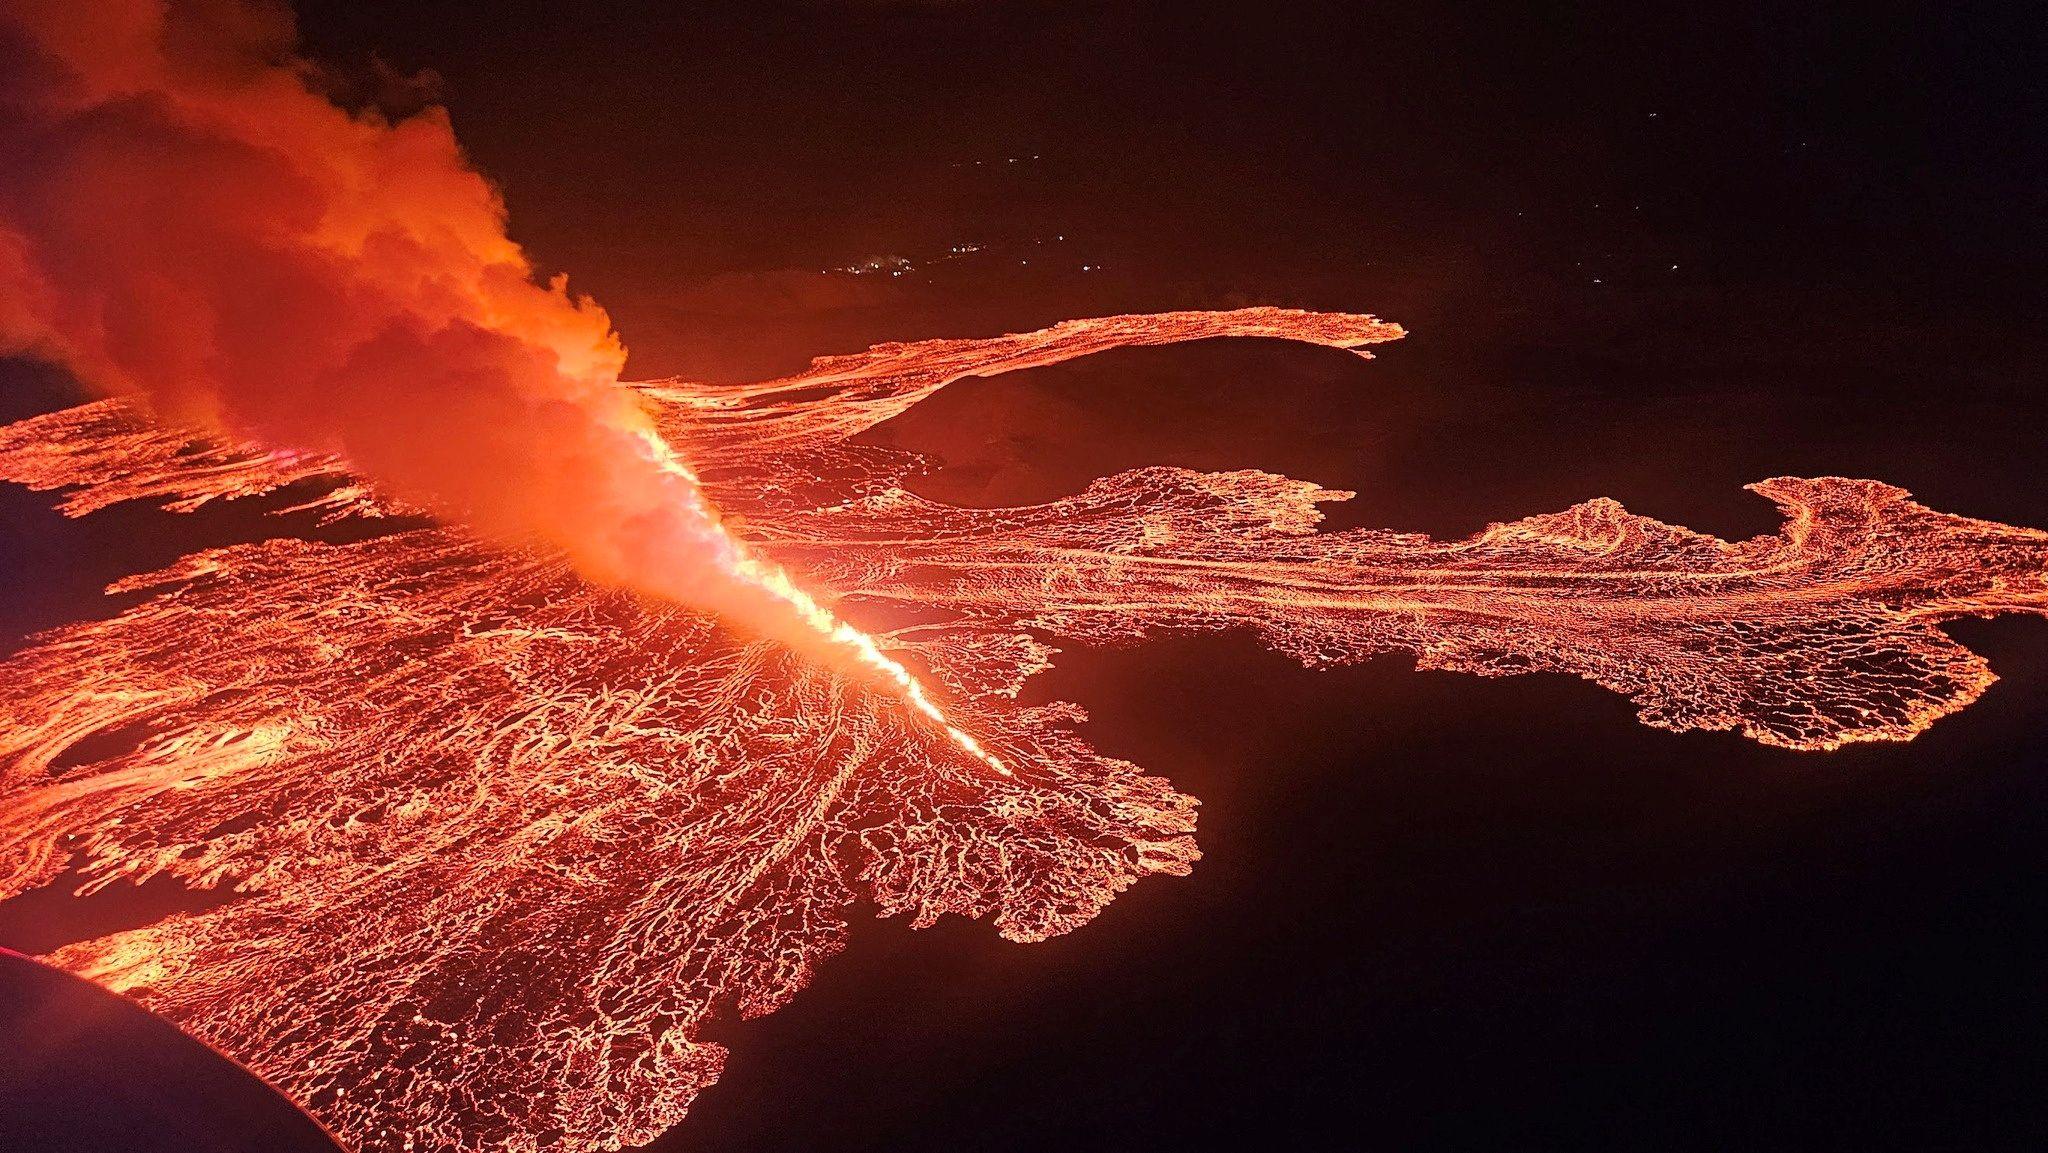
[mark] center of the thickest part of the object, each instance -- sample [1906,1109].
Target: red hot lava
[505,836]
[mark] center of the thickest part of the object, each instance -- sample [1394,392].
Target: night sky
[1640,255]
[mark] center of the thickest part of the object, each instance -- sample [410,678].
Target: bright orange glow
[863,648]
[841,639]
[399,327]
[505,836]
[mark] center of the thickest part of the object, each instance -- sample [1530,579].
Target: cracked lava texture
[503,840]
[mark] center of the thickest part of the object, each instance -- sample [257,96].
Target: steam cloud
[186,218]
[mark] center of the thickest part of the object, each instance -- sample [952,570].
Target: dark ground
[1434,911]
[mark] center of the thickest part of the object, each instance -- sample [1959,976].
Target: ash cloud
[185,218]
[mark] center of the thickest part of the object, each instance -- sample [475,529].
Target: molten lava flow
[844,640]
[186,219]
[504,837]
[863,648]
[860,647]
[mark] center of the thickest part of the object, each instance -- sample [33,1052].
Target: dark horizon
[1641,254]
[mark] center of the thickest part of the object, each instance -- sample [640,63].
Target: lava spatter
[504,839]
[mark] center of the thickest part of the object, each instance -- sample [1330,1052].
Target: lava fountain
[510,805]
[185,219]
[503,838]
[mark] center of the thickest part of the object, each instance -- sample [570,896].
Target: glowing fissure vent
[842,636]
[504,838]
[864,649]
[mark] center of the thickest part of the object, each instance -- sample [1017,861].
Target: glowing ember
[506,838]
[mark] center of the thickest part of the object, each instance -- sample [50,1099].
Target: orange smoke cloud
[184,218]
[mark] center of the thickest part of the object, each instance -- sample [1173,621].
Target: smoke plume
[185,218]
